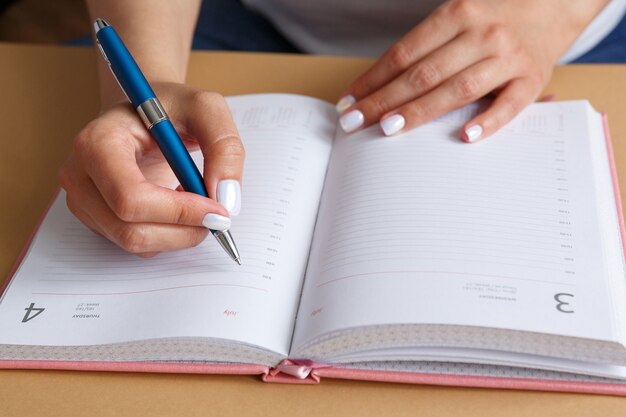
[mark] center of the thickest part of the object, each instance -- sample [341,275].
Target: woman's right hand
[120,186]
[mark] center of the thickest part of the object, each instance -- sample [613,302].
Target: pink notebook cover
[307,372]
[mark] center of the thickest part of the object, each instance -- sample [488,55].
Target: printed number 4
[31,312]
[562,304]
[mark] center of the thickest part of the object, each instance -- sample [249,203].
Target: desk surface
[48,93]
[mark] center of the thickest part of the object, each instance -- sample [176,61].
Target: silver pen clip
[97,25]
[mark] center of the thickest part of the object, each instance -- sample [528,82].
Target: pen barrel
[124,67]
[178,158]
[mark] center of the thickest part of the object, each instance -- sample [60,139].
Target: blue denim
[227,25]
[611,49]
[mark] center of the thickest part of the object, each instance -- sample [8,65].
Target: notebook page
[422,228]
[94,293]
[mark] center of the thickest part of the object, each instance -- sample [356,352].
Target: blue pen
[140,94]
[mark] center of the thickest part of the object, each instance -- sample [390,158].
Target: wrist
[111,93]
[563,21]
[158,34]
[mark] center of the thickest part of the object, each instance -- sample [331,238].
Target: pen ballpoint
[140,94]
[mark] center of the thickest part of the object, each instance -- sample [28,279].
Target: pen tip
[238,261]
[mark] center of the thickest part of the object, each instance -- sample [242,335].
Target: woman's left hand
[463,51]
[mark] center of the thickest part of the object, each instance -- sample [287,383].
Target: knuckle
[399,56]
[204,99]
[498,36]
[89,142]
[424,77]
[465,9]
[467,88]
[82,141]
[228,146]
[125,206]
[133,238]
[183,214]
[521,55]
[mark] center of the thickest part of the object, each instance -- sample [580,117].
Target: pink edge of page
[618,197]
[148,367]
[474,381]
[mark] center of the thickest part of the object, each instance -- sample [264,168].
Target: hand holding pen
[116,181]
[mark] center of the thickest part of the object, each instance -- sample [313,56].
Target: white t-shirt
[369,27]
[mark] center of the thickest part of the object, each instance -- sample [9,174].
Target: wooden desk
[48,93]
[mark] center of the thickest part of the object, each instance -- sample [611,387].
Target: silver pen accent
[227,242]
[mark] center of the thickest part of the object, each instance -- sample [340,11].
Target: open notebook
[415,258]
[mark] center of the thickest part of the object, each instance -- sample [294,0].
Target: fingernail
[473,133]
[351,121]
[229,195]
[392,125]
[344,103]
[216,222]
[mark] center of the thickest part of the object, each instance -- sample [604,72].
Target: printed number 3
[562,304]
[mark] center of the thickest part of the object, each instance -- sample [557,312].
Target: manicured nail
[229,195]
[344,103]
[392,125]
[216,222]
[351,121]
[473,133]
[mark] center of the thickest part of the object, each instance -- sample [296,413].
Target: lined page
[92,292]
[422,228]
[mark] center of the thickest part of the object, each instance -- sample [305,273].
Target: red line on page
[154,290]
[442,272]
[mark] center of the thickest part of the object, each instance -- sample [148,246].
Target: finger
[82,215]
[107,154]
[68,179]
[435,31]
[138,238]
[417,80]
[86,219]
[512,100]
[458,91]
[209,120]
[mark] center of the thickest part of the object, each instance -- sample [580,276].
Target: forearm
[158,33]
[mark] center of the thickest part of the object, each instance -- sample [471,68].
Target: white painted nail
[216,222]
[351,121]
[392,125]
[344,103]
[473,133]
[229,195]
